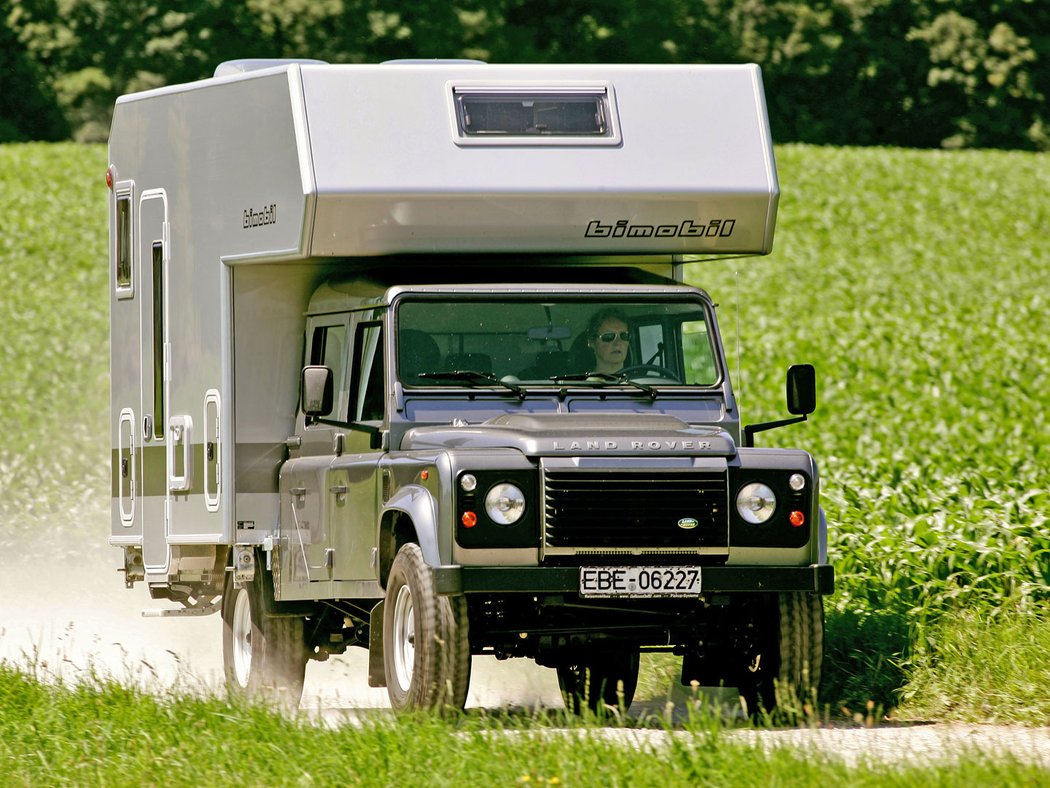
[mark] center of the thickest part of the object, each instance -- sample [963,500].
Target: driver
[608,337]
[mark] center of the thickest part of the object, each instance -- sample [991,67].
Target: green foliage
[915,282]
[30,110]
[921,73]
[55,330]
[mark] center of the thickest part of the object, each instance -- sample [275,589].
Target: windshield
[585,342]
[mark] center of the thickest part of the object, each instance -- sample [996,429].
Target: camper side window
[122,247]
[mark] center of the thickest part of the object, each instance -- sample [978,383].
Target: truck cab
[577,517]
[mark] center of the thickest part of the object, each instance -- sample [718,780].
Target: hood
[578,434]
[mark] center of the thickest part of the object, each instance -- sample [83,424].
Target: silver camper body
[233,198]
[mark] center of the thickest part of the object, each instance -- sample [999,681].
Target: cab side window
[328,348]
[698,351]
[366,389]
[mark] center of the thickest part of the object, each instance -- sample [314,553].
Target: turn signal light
[797,519]
[469,519]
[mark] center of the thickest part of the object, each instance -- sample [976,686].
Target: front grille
[616,509]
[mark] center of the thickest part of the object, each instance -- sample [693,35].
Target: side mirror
[801,389]
[317,391]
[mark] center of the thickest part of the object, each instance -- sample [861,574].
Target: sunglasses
[609,336]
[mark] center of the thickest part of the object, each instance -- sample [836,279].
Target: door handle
[339,491]
[298,492]
[180,429]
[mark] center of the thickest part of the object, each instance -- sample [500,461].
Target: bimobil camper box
[402,359]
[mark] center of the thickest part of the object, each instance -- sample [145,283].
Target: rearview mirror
[801,389]
[317,391]
[549,333]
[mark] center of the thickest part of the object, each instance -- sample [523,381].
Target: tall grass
[54,358]
[100,733]
[915,281]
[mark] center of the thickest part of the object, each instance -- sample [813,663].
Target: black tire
[264,656]
[782,669]
[602,680]
[801,622]
[426,643]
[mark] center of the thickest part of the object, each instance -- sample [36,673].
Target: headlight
[756,502]
[504,504]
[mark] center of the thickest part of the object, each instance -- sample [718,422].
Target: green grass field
[915,281]
[104,734]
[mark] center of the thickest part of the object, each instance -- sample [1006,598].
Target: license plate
[639,581]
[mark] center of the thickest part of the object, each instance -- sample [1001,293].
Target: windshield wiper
[608,378]
[472,376]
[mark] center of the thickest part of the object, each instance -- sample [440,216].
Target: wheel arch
[409,516]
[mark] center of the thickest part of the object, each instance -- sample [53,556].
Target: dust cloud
[65,614]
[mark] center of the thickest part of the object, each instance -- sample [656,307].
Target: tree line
[914,73]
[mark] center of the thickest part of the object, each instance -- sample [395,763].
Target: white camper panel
[689,168]
[202,162]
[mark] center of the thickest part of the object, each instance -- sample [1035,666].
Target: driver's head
[608,337]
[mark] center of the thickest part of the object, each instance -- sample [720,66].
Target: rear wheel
[426,645]
[600,680]
[264,656]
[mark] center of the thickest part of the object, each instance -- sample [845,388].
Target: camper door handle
[298,492]
[339,491]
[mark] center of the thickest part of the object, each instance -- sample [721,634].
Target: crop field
[917,283]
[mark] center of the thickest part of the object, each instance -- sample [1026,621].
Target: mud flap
[376,667]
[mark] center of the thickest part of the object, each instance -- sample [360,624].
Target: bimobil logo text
[259,218]
[715,228]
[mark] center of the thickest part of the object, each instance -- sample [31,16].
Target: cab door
[305,537]
[353,476]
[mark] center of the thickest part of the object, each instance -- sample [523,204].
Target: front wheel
[264,656]
[792,637]
[600,680]
[426,647]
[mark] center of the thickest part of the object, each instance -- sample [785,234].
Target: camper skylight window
[534,114]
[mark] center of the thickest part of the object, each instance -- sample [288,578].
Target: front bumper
[451,580]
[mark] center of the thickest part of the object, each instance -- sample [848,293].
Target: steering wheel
[647,370]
